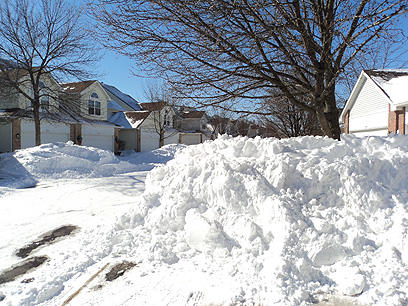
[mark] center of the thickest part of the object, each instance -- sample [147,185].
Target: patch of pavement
[22,268]
[47,238]
[118,270]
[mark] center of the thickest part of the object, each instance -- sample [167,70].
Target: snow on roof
[393,83]
[76,86]
[193,114]
[153,106]
[122,96]
[129,120]
[115,106]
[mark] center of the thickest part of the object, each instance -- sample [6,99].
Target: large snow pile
[52,161]
[280,221]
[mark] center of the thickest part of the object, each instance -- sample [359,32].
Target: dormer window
[94,105]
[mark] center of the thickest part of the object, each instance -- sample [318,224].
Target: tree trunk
[328,115]
[161,140]
[37,125]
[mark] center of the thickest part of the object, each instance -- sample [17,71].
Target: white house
[378,104]
[141,130]
[195,127]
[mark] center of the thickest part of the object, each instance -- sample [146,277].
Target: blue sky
[115,70]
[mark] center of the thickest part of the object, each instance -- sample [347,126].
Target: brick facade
[75,133]
[16,134]
[396,121]
[347,123]
[401,121]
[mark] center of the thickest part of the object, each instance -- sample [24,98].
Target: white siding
[98,136]
[370,109]
[5,137]
[103,98]
[370,100]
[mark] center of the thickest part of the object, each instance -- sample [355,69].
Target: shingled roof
[77,86]
[193,114]
[153,106]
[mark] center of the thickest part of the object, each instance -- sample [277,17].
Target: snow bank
[283,222]
[26,167]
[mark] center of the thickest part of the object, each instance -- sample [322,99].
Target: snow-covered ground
[235,221]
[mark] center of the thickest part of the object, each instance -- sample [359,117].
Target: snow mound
[26,167]
[282,221]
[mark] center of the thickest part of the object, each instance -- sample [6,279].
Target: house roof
[125,98]
[193,114]
[129,120]
[115,106]
[77,86]
[392,83]
[153,106]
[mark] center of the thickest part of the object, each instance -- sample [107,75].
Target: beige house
[97,131]
[17,126]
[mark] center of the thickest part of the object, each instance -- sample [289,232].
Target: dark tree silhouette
[247,50]
[40,39]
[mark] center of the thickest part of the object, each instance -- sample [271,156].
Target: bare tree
[161,103]
[40,39]
[290,121]
[246,49]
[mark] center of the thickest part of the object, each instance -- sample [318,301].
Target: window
[166,118]
[94,105]
[44,97]
[45,102]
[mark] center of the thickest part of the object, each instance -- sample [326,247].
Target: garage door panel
[98,136]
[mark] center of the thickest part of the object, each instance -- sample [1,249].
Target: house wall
[103,98]
[9,99]
[98,136]
[156,118]
[52,88]
[369,114]
[5,137]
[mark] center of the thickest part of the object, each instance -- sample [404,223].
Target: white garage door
[191,139]
[98,136]
[50,133]
[171,137]
[149,140]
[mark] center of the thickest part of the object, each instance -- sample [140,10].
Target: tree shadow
[13,174]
